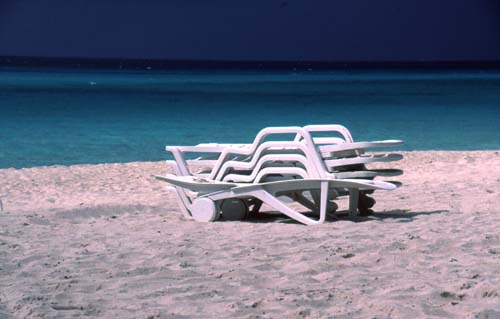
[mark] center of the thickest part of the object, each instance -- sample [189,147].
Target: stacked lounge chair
[283,165]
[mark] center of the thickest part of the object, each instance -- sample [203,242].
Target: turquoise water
[68,117]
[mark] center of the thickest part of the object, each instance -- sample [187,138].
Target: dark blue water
[68,117]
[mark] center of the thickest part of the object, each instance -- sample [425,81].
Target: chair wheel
[204,210]
[234,209]
[369,201]
[332,207]
[366,201]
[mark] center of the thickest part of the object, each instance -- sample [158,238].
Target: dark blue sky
[319,30]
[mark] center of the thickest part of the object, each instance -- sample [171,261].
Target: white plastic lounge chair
[260,164]
[180,165]
[345,174]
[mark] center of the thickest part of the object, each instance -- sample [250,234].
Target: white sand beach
[108,241]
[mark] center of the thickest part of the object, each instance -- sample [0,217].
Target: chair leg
[272,201]
[257,204]
[353,201]
[183,200]
[316,197]
[301,199]
[324,201]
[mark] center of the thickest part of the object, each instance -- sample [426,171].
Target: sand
[108,241]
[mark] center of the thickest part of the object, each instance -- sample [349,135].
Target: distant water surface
[67,117]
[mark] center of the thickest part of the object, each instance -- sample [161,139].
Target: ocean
[74,116]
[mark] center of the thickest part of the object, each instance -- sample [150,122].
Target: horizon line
[163,64]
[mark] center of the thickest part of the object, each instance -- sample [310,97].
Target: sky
[267,30]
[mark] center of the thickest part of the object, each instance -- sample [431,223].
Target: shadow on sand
[114,211]
[402,216]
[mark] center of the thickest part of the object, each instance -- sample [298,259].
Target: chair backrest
[302,155]
[303,151]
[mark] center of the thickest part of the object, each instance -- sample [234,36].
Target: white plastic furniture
[312,171]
